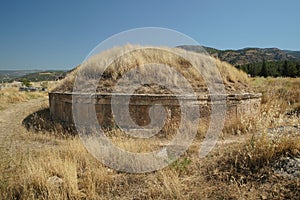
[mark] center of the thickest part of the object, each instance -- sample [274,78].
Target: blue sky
[56,34]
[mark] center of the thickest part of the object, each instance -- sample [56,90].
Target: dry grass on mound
[120,60]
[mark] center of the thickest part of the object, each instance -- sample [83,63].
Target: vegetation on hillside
[11,75]
[247,55]
[43,76]
[31,75]
[273,68]
[257,61]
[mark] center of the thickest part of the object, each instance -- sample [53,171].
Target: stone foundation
[238,106]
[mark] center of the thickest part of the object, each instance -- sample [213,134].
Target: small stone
[55,181]
[264,197]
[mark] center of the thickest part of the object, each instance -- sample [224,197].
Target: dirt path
[11,118]
[12,130]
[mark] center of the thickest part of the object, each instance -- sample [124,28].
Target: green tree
[285,68]
[245,68]
[292,70]
[253,69]
[298,70]
[264,71]
[26,82]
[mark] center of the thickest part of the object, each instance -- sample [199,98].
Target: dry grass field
[247,163]
[255,158]
[11,95]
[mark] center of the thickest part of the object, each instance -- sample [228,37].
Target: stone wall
[238,105]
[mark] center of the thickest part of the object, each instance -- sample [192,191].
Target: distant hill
[31,75]
[296,54]
[248,55]
[9,75]
[43,76]
[257,61]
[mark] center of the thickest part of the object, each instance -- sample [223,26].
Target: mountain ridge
[31,75]
[247,55]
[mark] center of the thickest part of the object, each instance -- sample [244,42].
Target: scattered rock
[294,112]
[32,89]
[287,166]
[281,130]
[55,181]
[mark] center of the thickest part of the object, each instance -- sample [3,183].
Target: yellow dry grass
[280,106]
[68,171]
[12,95]
[283,92]
[116,62]
[52,167]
